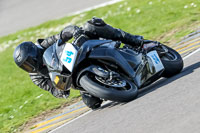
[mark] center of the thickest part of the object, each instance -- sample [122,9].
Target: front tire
[100,90]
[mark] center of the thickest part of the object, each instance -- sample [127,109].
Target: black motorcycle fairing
[59,48]
[82,55]
[86,48]
[142,74]
[146,73]
[51,60]
[112,55]
[152,79]
[133,58]
[55,67]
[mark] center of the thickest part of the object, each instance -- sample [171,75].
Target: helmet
[26,56]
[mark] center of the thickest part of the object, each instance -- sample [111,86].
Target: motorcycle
[107,71]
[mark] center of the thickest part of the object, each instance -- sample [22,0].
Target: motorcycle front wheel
[120,89]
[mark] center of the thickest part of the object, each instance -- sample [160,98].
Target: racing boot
[91,101]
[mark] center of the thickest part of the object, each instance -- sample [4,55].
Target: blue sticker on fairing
[155,58]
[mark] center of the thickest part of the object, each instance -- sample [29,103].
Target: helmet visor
[29,65]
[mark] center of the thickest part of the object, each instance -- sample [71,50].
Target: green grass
[163,20]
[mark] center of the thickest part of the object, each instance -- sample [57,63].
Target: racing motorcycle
[107,71]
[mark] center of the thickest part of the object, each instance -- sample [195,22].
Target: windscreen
[50,59]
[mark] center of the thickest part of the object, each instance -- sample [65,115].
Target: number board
[68,57]
[156,60]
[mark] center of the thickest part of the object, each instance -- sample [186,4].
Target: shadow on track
[162,82]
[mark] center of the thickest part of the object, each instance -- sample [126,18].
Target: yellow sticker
[56,80]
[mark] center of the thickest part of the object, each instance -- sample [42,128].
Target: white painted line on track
[70,121]
[191,54]
[77,118]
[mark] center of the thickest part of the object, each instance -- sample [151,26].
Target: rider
[28,56]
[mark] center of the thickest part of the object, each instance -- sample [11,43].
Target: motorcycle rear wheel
[172,62]
[103,91]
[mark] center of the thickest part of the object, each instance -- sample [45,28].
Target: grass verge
[163,20]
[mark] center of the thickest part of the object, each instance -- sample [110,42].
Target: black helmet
[26,56]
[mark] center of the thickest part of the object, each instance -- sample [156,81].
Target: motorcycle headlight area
[62,82]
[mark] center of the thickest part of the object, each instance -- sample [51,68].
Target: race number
[68,57]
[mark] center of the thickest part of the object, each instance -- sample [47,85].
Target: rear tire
[174,65]
[97,89]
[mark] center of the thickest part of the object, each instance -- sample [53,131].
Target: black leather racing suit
[94,29]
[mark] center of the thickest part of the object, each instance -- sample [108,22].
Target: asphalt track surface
[168,106]
[20,14]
